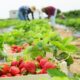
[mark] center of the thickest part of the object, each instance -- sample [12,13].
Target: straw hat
[33,8]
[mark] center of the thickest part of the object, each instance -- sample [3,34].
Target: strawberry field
[34,48]
[73,23]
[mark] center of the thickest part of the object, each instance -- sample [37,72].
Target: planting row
[40,37]
[70,22]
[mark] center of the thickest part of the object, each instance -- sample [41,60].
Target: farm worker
[51,12]
[24,11]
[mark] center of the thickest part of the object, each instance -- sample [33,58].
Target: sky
[63,5]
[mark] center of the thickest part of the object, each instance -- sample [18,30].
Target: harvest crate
[29,77]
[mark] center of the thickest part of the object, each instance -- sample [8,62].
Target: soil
[75,67]
[66,32]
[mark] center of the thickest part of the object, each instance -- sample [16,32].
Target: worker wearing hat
[51,12]
[24,11]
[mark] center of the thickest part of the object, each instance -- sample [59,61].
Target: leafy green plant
[56,74]
[1,46]
[14,37]
[70,22]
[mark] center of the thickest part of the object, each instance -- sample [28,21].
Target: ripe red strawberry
[19,49]
[1,73]
[14,46]
[5,68]
[42,62]
[14,49]
[30,67]
[49,65]
[14,70]
[23,71]
[39,58]
[4,76]
[22,65]
[14,63]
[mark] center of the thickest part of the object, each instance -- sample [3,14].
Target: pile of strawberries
[18,49]
[18,68]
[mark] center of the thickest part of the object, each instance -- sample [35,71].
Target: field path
[66,32]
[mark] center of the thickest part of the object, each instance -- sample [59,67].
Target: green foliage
[70,22]
[65,56]
[76,77]
[8,23]
[40,36]
[1,42]
[14,37]
[57,75]
[1,46]
[74,14]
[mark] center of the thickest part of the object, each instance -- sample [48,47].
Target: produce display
[68,21]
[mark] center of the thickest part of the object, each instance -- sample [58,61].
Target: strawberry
[39,58]
[42,62]
[1,73]
[13,46]
[19,49]
[16,48]
[4,76]
[23,71]
[22,65]
[14,63]
[30,67]
[49,65]
[5,68]
[14,70]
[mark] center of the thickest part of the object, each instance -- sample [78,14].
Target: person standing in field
[51,12]
[24,11]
